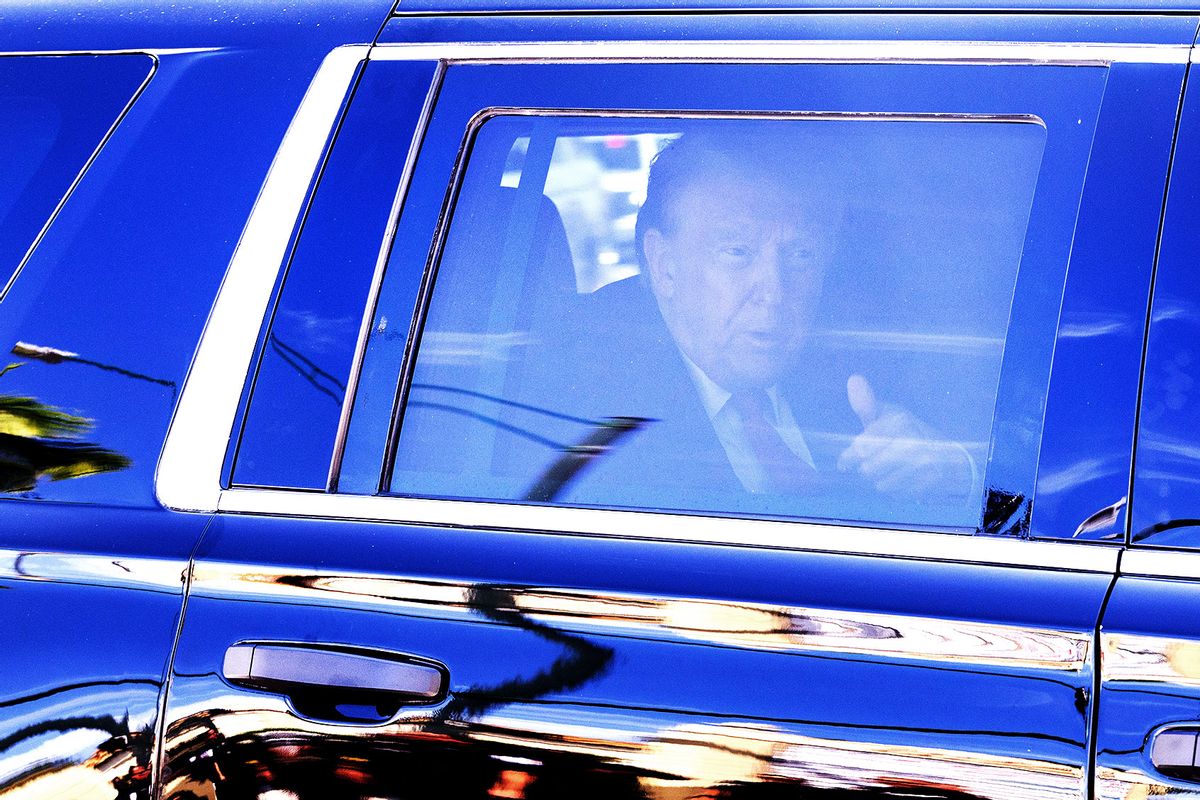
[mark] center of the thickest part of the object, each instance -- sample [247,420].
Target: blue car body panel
[122,282]
[645,661]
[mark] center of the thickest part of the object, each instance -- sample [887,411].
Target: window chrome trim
[747,52]
[1161,563]
[618,114]
[189,470]
[806,536]
[385,251]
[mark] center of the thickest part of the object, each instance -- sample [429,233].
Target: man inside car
[735,252]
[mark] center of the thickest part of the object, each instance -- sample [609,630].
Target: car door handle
[1173,752]
[288,668]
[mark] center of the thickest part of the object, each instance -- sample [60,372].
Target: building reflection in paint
[534,732]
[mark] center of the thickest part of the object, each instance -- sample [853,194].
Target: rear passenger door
[1149,703]
[523,553]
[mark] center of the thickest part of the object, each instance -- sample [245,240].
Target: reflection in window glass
[597,183]
[794,317]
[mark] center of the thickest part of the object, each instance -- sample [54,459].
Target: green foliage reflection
[41,441]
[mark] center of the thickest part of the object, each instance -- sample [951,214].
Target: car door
[482,580]
[1148,698]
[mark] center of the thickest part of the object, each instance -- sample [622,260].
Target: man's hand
[901,455]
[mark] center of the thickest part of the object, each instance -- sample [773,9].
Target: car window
[56,111]
[1166,495]
[799,317]
[951,196]
[304,362]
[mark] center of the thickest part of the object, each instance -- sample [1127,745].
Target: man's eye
[802,258]
[735,251]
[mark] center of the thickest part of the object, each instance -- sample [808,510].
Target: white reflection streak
[1052,482]
[317,332]
[948,343]
[746,625]
[1151,659]
[70,746]
[1116,784]
[1177,309]
[460,347]
[1084,330]
[853,765]
[132,573]
[1171,445]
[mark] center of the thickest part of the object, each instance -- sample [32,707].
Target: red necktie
[785,471]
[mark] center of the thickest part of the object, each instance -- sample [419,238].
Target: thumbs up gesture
[901,455]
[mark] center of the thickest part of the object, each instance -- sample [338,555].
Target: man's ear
[661,275]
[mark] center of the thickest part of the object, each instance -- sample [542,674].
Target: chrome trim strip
[385,250]
[155,574]
[685,620]
[675,527]
[1161,563]
[87,165]
[491,112]
[1148,659]
[1081,54]
[190,467]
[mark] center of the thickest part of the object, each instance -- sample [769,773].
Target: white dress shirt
[727,423]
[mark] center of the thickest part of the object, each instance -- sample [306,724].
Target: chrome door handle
[1173,752]
[287,667]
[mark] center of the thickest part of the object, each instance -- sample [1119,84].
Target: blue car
[505,399]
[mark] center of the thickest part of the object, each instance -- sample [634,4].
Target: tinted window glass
[54,112]
[790,317]
[305,361]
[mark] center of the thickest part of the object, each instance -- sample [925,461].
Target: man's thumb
[862,399]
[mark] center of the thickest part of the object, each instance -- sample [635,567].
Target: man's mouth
[765,338]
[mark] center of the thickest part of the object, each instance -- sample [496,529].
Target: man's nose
[768,276]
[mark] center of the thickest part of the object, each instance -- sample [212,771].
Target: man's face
[737,274]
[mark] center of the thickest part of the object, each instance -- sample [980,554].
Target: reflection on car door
[611,668]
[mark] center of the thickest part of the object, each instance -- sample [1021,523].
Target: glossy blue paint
[90,598]
[1151,681]
[1166,495]
[684,23]
[284,28]
[1067,99]
[97,530]
[305,365]
[577,660]
[127,273]
[92,589]
[1090,411]
[62,108]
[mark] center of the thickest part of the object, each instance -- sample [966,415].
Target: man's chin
[750,375]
